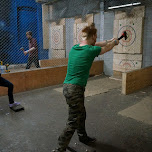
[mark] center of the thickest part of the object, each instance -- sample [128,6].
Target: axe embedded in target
[124,35]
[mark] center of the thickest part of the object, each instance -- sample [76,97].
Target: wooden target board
[78,32]
[127,62]
[133,28]
[58,53]
[135,12]
[58,37]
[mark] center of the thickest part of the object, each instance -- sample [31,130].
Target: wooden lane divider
[53,62]
[136,80]
[42,77]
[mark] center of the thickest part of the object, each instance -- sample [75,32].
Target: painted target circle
[56,37]
[127,63]
[131,35]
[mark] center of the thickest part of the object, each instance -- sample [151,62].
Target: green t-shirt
[79,63]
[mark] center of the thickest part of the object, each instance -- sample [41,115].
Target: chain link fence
[56,26]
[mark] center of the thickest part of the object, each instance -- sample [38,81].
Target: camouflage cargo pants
[74,95]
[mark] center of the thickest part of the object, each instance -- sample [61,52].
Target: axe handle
[22,48]
[120,37]
[123,35]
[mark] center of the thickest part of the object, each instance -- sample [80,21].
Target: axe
[123,35]
[22,48]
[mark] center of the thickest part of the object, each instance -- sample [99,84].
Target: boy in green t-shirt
[80,60]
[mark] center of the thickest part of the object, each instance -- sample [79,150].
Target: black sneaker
[87,140]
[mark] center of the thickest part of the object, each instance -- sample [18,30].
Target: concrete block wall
[108,34]
[97,24]
[69,24]
[97,21]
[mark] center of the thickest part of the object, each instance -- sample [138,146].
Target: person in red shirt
[33,51]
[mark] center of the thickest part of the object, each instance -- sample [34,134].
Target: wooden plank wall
[126,54]
[136,80]
[134,28]
[126,62]
[43,77]
[97,68]
[77,32]
[53,62]
[79,25]
[58,37]
[34,79]
[58,40]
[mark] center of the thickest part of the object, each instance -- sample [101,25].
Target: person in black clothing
[15,106]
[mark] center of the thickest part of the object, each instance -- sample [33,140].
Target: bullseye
[56,37]
[131,35]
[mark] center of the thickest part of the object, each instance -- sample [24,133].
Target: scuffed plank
[135,12]
[58,53]
[126,62]
[88,19]
[128,56]
[53,62]
[78,32]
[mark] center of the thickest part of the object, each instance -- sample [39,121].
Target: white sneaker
[14,104]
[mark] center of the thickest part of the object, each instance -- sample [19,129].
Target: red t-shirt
[33,43]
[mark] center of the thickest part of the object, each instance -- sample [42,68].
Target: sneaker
[14,104]
[87,140]
[16,107]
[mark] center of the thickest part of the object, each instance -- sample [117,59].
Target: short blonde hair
[89,31]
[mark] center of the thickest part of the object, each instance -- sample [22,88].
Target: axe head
[22,48]
[125,35]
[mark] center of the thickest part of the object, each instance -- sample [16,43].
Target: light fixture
[126,5]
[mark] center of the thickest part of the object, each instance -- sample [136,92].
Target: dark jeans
[32,59]
[10,86]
